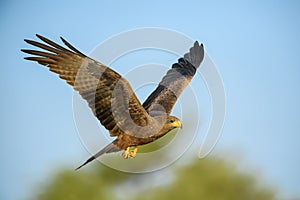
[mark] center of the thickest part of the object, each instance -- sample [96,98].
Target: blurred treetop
[209,179]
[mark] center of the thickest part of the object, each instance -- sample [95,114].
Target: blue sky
[254,44]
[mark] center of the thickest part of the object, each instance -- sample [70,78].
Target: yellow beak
[177,124]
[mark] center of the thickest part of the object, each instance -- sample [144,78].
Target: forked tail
[112,147]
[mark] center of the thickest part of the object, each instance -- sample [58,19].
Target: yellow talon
[133,152]
[128,153]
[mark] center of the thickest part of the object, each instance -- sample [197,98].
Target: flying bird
[111,97]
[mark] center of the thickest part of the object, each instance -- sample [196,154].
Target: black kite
[111,97]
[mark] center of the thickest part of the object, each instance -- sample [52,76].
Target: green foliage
[73,185]
[209,179]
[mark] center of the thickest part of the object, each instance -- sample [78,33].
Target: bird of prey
[111,97]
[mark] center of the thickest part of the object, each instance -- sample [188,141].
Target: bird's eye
[172,120]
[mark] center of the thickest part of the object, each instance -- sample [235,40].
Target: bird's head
[170,123]
[173,122]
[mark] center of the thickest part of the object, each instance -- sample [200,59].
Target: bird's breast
[127,140]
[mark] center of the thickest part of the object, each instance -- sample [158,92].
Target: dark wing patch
[94,81]
[164,97]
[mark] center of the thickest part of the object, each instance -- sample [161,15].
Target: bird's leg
[133,152]
[130,153]
[126,153]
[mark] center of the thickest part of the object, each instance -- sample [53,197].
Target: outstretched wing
[110,96]
[174,82]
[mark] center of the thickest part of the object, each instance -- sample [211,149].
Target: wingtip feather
[30,58]
[27,41]
[71,46]
[195,55]
[40,36]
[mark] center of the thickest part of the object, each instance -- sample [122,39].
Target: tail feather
[112,147]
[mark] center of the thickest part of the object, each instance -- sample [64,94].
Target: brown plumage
[111,97]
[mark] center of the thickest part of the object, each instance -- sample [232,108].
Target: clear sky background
[255,44]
